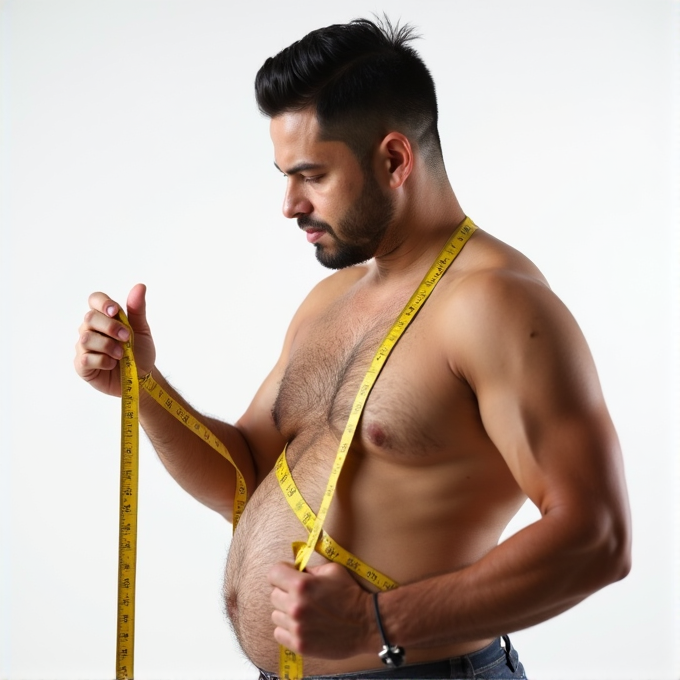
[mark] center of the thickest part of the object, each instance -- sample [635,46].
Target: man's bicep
[540,399]
[568,462]
[558,457]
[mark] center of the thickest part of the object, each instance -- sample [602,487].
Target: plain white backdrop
[132,150]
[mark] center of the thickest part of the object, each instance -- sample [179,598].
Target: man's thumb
[136,306]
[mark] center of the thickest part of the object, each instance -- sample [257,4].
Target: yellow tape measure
[127,528]
[127,541]
[326,546]
[427,285]
[200,430]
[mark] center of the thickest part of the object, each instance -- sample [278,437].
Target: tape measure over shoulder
[433,276]
[290,663]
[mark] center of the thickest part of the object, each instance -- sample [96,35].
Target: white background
[132,151]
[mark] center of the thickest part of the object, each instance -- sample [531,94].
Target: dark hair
[362,78]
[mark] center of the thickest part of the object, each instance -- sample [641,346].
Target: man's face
[343,209]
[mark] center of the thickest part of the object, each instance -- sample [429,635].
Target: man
[489,397]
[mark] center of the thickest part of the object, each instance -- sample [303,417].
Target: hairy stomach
[264,536]
[416,546]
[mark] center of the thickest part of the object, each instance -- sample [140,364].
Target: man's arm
[196,467]
[541,404]
[253,441]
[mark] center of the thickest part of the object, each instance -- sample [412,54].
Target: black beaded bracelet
[390,655]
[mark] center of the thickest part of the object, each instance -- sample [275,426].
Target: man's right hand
[101,337]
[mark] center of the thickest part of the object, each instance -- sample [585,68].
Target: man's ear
[396,159]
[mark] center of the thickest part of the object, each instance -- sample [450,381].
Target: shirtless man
[490,397]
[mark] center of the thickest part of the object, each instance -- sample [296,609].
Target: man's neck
[416,238]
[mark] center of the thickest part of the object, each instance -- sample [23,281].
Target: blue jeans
[493,662]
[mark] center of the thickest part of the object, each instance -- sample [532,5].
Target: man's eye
[313,179]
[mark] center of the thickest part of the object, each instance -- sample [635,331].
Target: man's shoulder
[497,306]
[491,269]
[497,292]
[488,254]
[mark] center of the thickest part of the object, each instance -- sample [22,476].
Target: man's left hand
[321,612]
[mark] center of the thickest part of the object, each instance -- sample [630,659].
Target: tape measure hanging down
[129,470]
[127,527]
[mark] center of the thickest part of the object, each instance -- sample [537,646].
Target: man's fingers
[104,304]
[287,631]
[98,322]
[94,341]
[95,353]
[285,576]
[89,364]
[331,569]
[288,584]
[100,338]
[278,599]
[280,618]
[321,612]
[284,637]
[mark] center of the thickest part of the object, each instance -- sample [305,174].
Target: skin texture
[491,397]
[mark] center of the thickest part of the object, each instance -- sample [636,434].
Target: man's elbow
[616,563]
[597,547]
[622,560]
[610,550]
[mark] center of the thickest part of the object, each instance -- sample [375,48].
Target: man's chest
[412,400]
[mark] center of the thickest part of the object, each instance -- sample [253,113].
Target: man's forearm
[194,464]
[533,576]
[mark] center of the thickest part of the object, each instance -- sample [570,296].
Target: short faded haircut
[363,79]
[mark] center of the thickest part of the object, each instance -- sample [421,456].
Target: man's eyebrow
[300,167]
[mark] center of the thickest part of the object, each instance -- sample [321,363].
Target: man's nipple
[376,434]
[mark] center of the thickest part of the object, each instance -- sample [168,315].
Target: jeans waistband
[458,666]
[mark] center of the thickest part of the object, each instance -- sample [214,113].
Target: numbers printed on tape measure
[127,529]
[129,470]
[326,545]
[200,430]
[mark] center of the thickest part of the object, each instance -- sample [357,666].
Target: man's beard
[362,228]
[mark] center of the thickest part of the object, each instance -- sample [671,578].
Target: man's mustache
[306,222]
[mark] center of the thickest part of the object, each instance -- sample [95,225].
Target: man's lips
[314,229]
[313,235]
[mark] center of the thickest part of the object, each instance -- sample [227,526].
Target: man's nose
[295,203]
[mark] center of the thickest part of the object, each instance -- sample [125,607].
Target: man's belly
[415,547]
